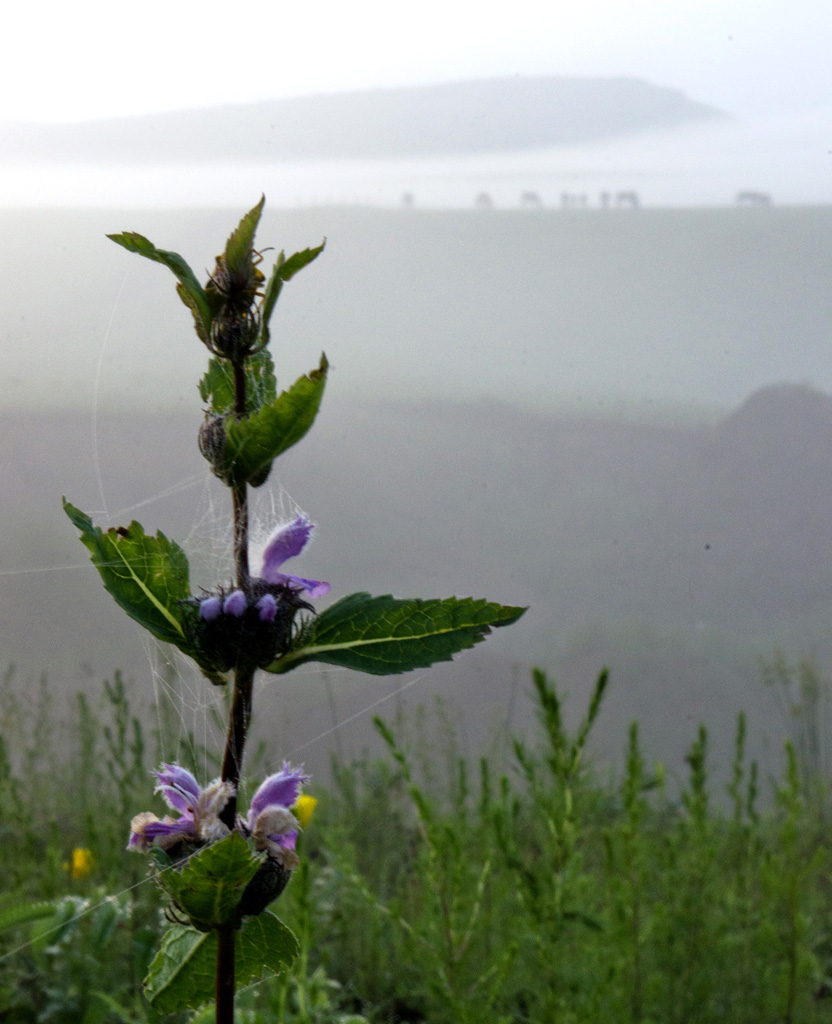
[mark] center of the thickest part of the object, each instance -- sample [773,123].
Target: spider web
[189,712]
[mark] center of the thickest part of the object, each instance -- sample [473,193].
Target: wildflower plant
[220,869]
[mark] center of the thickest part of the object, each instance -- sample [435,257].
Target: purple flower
[270,821]
[286,542]
[235,604]
[210,608]
[281,789]
[198,810]
[267,607]
[178,787]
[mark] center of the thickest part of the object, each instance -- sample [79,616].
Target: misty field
[600,310]
[437,888]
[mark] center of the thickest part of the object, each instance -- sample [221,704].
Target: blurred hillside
[678,556]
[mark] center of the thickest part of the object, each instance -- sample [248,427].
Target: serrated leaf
[283,270]
[252,444]
[200,326]
[182,975]
[298,260]
[190,290]
[264,943]
[217,386]
[238,248]
[147,576]
[209,887]
[386,635]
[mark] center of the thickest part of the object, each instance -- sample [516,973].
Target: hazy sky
[62,61]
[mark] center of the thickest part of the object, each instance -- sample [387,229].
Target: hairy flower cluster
[235,605]
[235,626]
[286,542]
[270,821]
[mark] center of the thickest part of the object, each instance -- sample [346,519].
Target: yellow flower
[81,863]
[303,809]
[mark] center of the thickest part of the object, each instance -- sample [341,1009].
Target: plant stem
[240,713]
[239,492]
[239,497]
[225,975]
[238,719]
[232,764]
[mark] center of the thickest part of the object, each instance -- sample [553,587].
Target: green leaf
[297,261]
[252,444]
[209,887]
[385,635]
[190,290]
[283,270]
[217,386]
[147,576]
[182,975]
[264,943]
[238,248]
[241,241]
[25,913]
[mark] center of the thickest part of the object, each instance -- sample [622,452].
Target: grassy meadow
[437,889]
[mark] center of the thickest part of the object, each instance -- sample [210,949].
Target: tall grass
[439,890]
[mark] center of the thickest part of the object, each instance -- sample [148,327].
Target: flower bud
[210,608]
[232,627]
[271,879]
[235,604]
[211,440]
[267,608]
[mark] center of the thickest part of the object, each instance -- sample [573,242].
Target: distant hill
[454,118]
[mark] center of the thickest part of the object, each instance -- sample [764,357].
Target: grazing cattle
[531,201]
[573,200]
[752,198]
[630,199]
